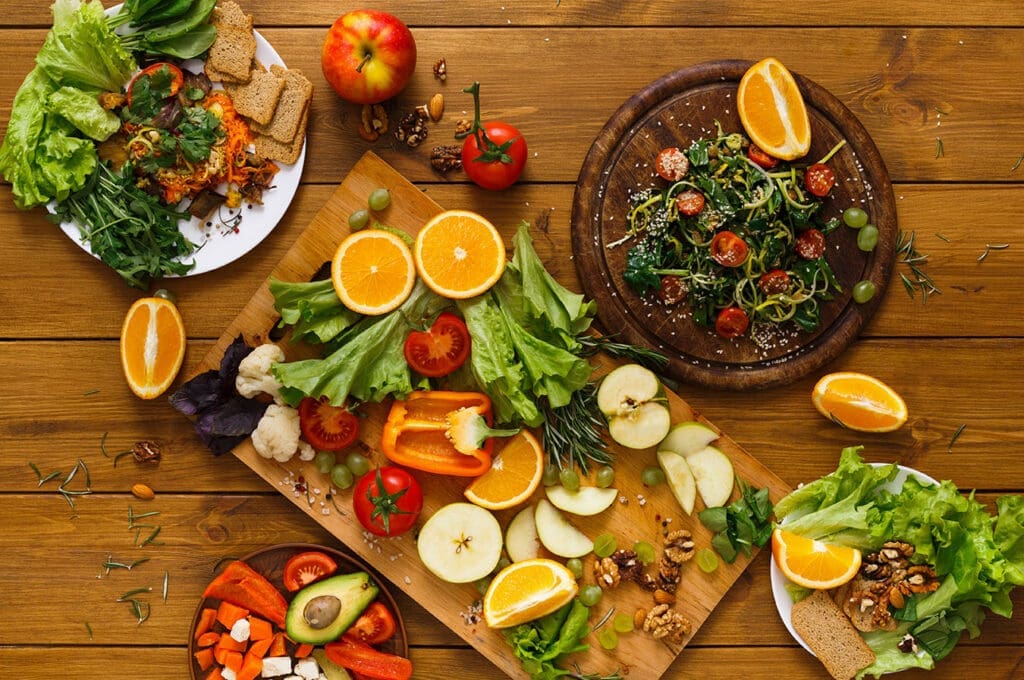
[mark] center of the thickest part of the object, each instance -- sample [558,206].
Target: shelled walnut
[679,546]
[663,621]
[412,129]
[606,573]
[628,564]
[462,127]
[441,69]
[886,578]
[373,122]
[446,158]
[146,451]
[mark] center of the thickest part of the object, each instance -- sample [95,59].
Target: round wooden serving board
[674,111]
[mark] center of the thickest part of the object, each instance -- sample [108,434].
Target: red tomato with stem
[672,164]
[387,501]
[774,282]
[307,567]
[728,249]
[327,427]
[732,322]
[177,78]
[819,179]
[375,625]
[690,203]
[440,350]
[760,158]
[810,244]
[493,153]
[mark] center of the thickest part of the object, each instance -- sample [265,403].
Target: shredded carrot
[238,137]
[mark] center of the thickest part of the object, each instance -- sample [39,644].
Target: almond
[435,107]
[664,597]
[143,491]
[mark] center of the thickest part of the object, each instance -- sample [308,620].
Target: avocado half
[322,611]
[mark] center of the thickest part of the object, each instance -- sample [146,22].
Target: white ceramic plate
[783,601]
[219,244]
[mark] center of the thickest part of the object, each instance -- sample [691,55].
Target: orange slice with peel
[373,272]
[514,475]
[772,110]
[814,564]
[152,346]
[527,590]
[459,254]
[859,402]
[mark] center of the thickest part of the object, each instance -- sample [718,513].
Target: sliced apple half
[521,540]
[687,437]
[588,500]
[712,470]
[633,401]
[557,534]
[460,543]
[680,479]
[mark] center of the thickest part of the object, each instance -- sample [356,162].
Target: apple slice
[556,534]
[521,541]
[712,470]
[633,401]
[688,437]
[589,500]
[680,479]
[460,543]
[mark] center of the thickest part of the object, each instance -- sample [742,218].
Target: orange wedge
[152,346]
[772,110]
[813,564]
[373,272]
[513,476]
[459,254]
[859,402]
[524,591]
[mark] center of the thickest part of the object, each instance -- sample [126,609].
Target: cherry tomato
[690,202]
[774,282]
[672,164]
[810,244]
[671,291]
[327,427]
[759,157]
[440,350]
[732,322]
[177,79]
[387,501]
[374,626]
[307,567]
[500,169]
[819,179]
[728,249]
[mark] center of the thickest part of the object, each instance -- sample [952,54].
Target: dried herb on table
[909,255]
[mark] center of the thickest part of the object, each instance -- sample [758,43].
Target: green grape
[644,552]
[165,294]
[357,463]
[867,238]
[590,595]
[652,476]
[503,562]
[855,217]
[605,476]
[863,291]
[622,623]
[706,560]
[379,199]
[605,544]
[324,461]
[550,477]
[608,638]
[575,565]
[570,479]
[483,584]
[341,476]
[358,220]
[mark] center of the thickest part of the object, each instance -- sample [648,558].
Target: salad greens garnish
[312,309]
[743,524]
[539,645]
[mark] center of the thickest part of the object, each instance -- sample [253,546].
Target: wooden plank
[894,80]
[39,257]
[611,13]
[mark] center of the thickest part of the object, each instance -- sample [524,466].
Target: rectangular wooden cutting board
[641,513]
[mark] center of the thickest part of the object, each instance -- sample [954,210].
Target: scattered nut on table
[435,107]
[446,158]
[441,69]
[146,451]
[143,491]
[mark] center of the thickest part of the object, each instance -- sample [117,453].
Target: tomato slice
[177,78]
[774,282]
[307,567]
[759,157]
[374,626]
[819,179]
[728,249]
[441,350]
[690,203]
[327,427]
[732,322]
[672,164]
[810,244]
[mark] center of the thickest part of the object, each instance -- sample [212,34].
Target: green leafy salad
[978,557]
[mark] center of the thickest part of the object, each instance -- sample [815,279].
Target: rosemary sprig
[990,247]
[166,579]
[956,435]
[88,629]
[43,479]
[604,619]
[91,392]
[910,256]
[940,148]
[572,433]
[941,237]
[1020,160]
[151,538]
[132,517]
[127,566]
[69,494]
[592,344]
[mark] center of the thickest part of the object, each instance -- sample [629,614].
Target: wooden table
[915,73]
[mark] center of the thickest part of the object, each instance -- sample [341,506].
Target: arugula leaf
[641,262]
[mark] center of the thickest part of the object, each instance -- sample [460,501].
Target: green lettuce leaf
[25,127]
[313,309]
[83,110]
[82,51]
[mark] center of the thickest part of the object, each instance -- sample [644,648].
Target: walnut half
[446,158]
[606,573]
[664,622]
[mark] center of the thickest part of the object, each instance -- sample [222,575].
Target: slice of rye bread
[257,99]
[230,14]
[268,147]
[291,107]
[831,636]
[231,54]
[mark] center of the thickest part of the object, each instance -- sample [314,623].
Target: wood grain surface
[912,71]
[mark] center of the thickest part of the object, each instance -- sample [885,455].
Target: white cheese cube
[307,668]
[240,631]
[274,666]
[227,673]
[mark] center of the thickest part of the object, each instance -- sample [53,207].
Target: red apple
[368,56]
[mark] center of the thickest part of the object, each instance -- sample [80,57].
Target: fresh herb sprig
[592,344]
[573,434]
[908,254]
[745,523]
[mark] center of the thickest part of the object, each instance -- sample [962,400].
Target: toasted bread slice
[268,147]
[831,636]
[231,54]
[291,107]
[229,14]
[257,99]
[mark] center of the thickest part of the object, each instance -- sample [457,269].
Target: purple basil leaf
[233,356]
[198,394]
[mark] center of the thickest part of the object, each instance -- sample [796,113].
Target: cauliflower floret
[254,376]
[306,452]
[277,434]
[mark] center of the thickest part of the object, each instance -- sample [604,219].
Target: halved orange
[513,476]
[860,402]
[373,272]
[152,346]
[772,110]
[527,590]
[814,564]
[459,254]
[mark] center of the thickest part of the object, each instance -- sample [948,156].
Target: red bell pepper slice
[362,658]
[240,585]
